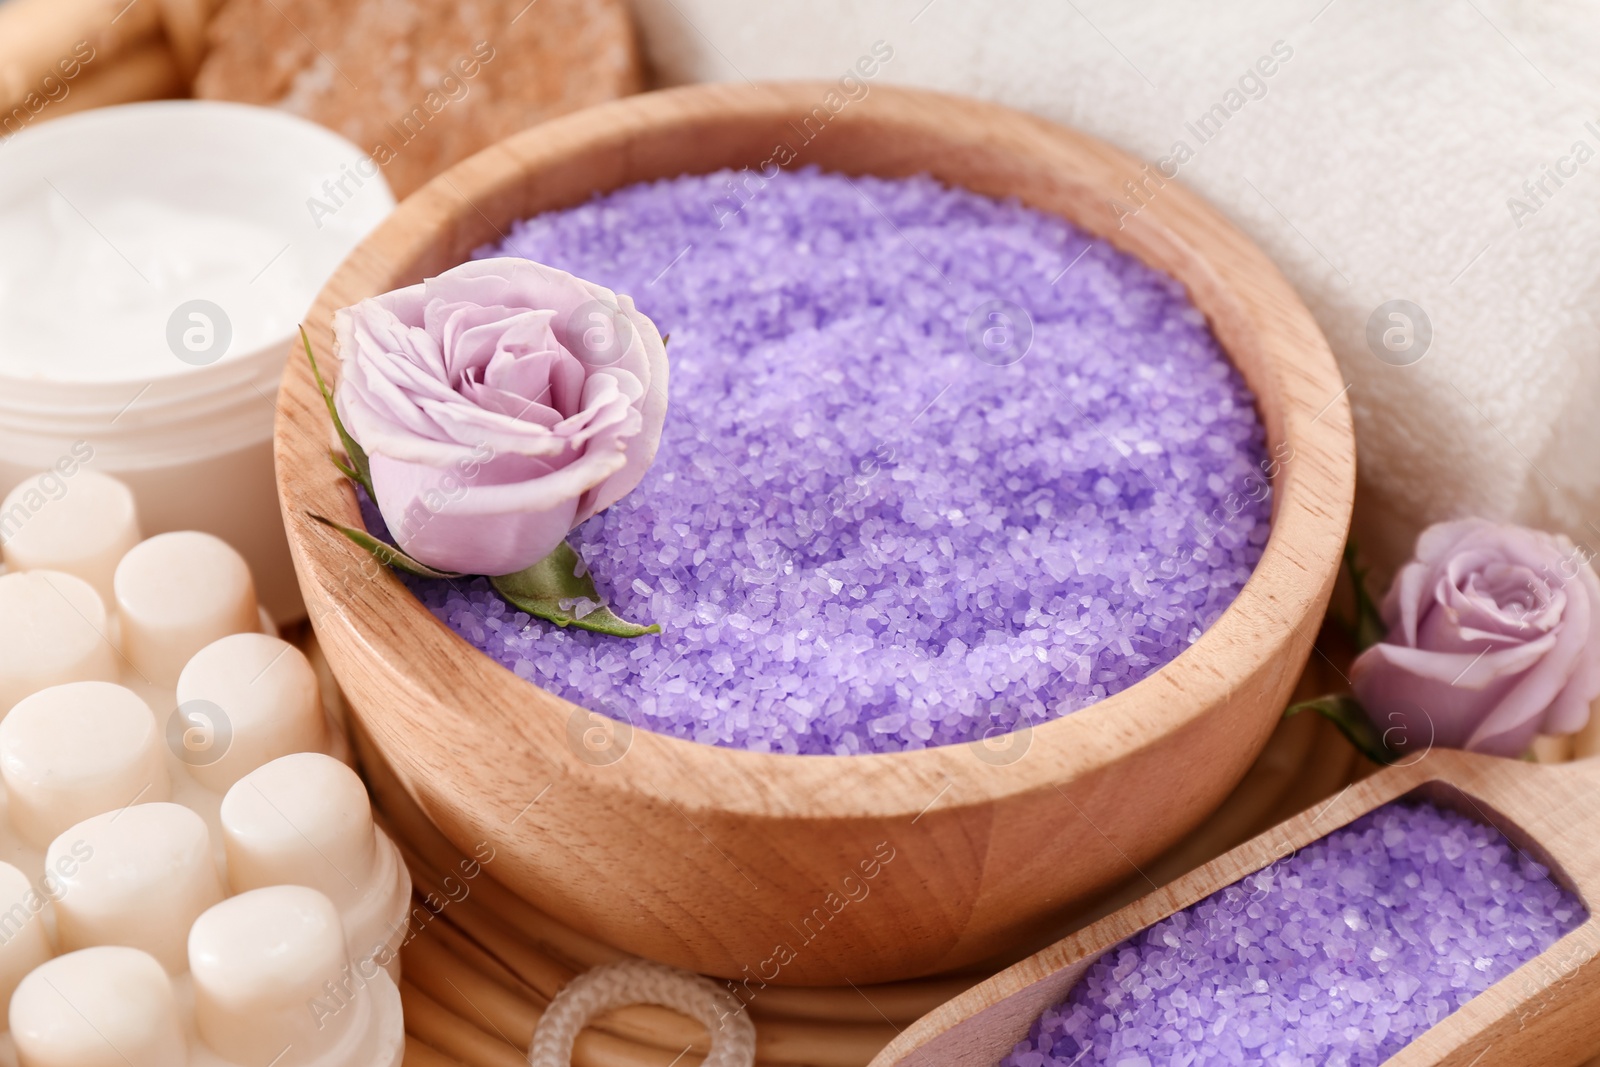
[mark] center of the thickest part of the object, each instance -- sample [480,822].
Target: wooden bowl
[818,869]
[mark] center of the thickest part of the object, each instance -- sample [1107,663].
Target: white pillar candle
[262,695]
[81,523]
[305,820]
[102,1007]
[177,593]
[262,963]
[53,629]
[77,750]
[138,876]
[24,944]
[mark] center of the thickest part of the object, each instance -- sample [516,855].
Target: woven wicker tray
[481,964]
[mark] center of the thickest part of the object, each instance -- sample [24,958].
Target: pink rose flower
[1494,636]
[500,404]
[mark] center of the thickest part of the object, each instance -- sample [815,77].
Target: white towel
[1384,158]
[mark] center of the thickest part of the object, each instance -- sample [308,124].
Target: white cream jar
[155,260]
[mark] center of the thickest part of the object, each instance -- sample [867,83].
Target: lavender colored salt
[1339,955]
[870,526]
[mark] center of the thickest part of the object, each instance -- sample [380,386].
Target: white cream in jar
[156,261]
[89,301]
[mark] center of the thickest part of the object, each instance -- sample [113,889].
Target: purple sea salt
[871,526]
[1339,955]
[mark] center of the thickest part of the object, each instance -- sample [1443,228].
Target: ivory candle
[266,693]
[102,1007]
[260,961]
[139,877]
[74,751]
[26,944]
[70,519]
[176,594]
[305,820]
[90,822]
[301,820]
[53,630]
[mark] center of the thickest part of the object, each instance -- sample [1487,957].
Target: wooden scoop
[1542,1013]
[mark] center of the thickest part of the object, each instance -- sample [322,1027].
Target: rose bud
[500,404]
[1493,637]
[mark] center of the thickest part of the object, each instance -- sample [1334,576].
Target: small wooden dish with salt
[1542,1012]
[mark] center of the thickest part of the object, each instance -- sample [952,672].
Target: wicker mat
[480,971]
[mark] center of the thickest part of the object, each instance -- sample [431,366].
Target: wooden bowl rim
[883,785]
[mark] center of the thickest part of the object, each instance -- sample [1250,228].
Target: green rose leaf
[385,553]
[541,589]
[1345,712]
[1369,627]
[359,469]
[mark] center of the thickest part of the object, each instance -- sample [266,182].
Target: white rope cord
[617,985]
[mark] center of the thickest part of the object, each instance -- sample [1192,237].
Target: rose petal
[653,411]
[1415,710]
[423,510]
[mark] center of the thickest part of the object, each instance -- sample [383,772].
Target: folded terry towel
[1440,152]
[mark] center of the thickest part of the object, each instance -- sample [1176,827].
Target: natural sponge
[421,84]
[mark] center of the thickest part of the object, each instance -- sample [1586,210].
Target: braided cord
[616,985]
